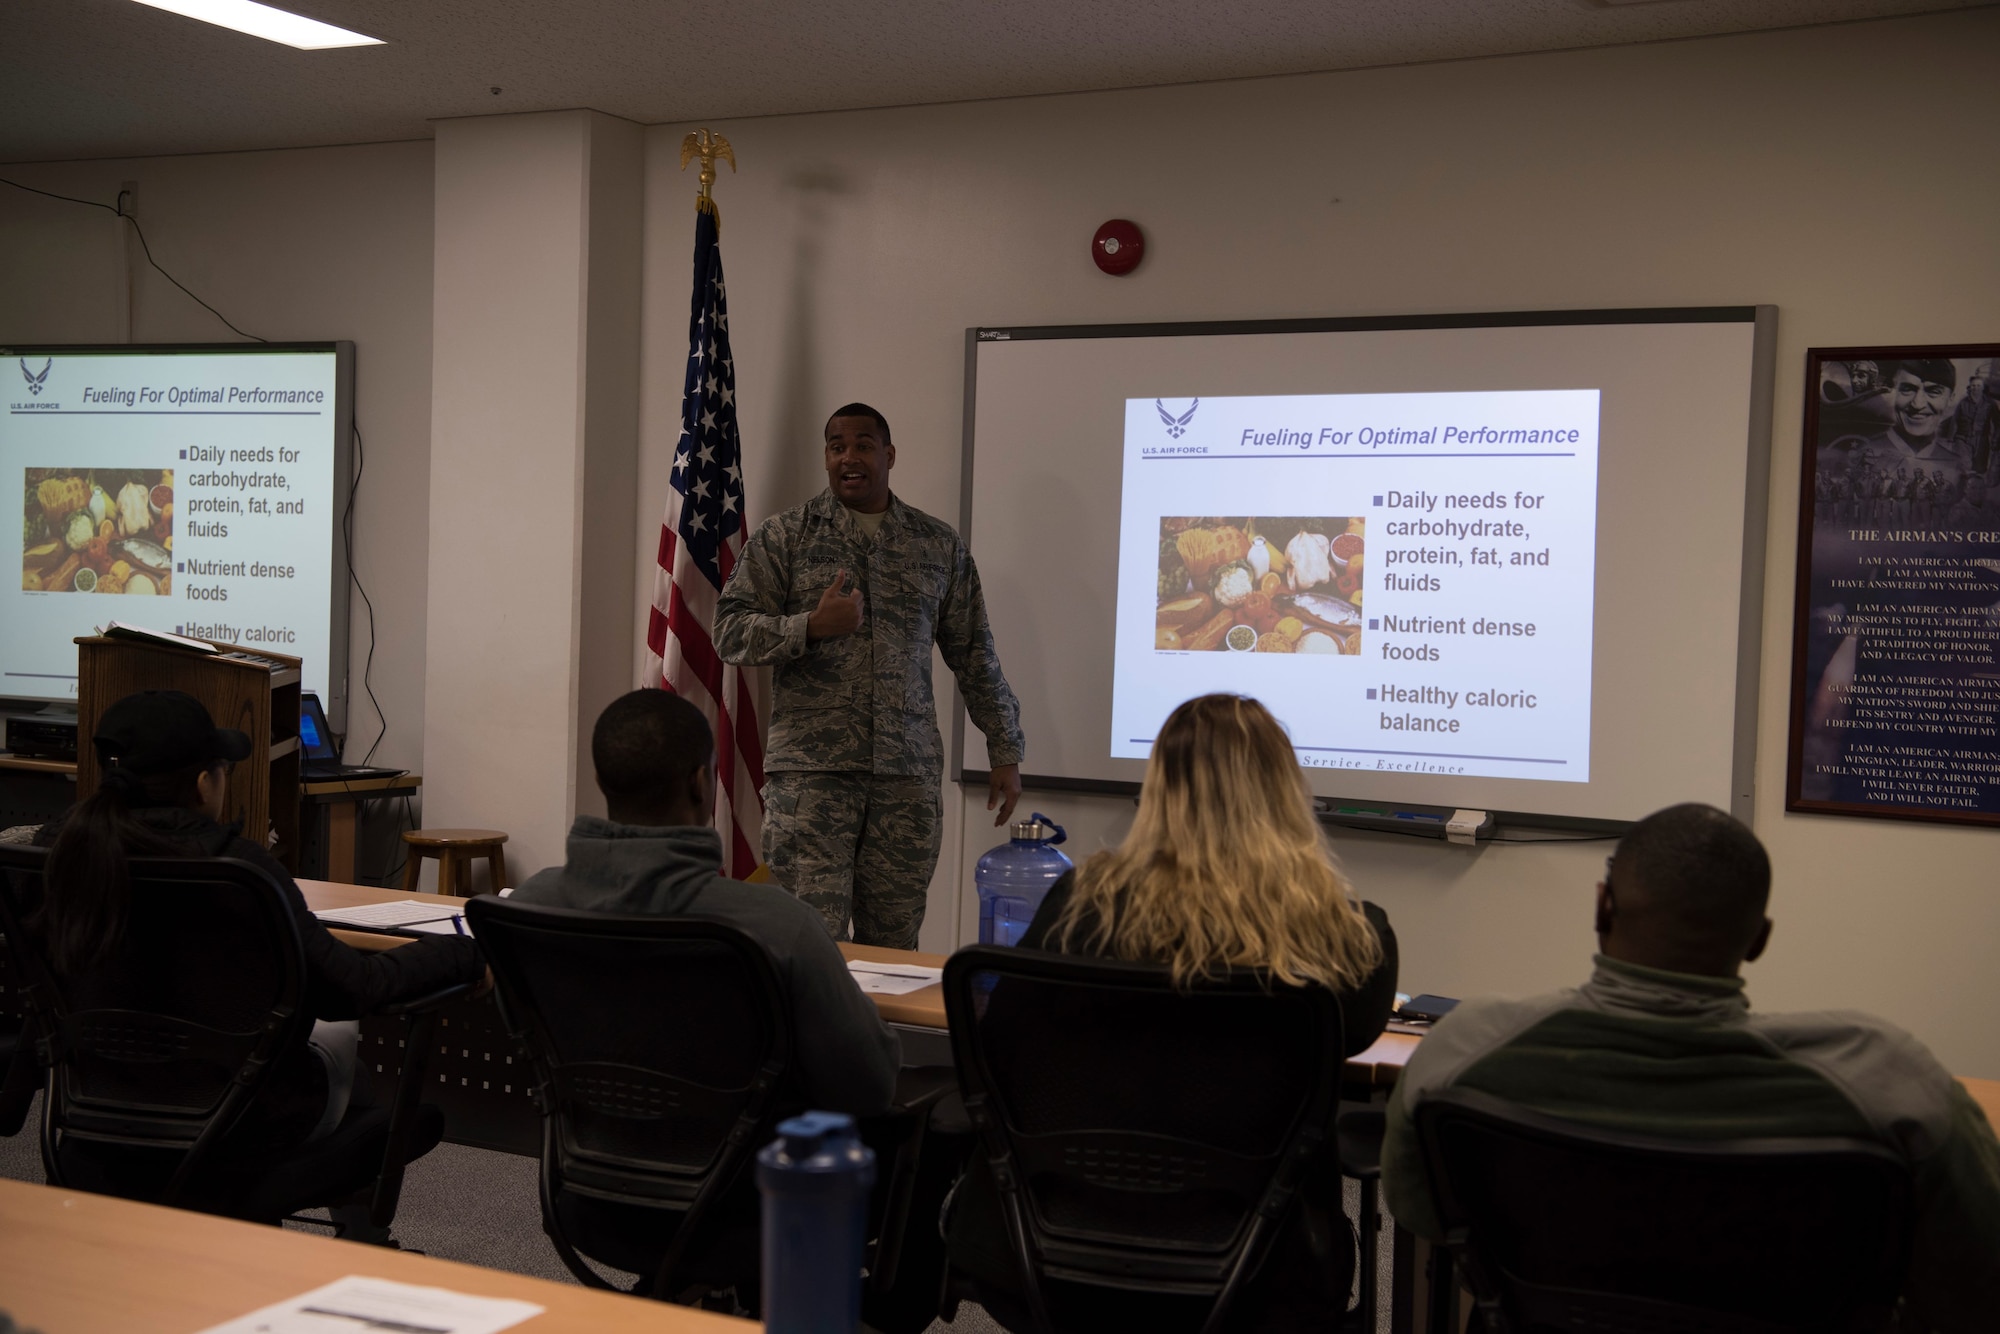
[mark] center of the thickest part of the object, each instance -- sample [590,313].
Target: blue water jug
[1014,878]
[815,1179]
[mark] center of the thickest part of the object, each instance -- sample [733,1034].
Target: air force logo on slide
[35,378]
[1176,426]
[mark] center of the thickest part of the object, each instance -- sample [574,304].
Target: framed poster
[1896,624]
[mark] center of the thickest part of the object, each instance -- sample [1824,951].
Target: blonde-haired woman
[1226,866]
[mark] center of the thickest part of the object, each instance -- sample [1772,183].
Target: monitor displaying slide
[1507,562]
[1430,615]
[192,489]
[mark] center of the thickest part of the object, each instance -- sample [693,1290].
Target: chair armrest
[922,1088]
[434,1000]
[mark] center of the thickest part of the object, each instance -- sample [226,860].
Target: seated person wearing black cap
[165,771]
[657,853]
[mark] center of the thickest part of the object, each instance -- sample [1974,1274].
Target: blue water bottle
[815,1179]
[1014,878]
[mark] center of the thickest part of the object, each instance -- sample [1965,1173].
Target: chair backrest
[659,1044]
[1143,1136]
[19,1076]
[1566,1226]
[165,1043]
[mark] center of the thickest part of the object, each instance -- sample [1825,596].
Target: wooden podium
[248,689]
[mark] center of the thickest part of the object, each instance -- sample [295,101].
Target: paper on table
[891,979]
[399,915]
[120,630]
[353,1304]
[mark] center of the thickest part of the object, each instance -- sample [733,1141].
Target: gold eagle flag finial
[708,147]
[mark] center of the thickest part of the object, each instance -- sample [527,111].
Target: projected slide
[1405,579]
[188,492]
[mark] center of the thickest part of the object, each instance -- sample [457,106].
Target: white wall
[536,334]
[608,633]
[1834,172]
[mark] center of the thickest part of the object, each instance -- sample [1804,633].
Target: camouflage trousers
[856,846]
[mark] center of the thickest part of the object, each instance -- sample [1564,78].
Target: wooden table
[922,1008]
[1985,1092]
[35,791]
[53,783]
[341,799]
[917,1015]
[79,1262]
[53,768]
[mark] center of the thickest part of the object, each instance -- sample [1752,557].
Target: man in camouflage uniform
[844,596]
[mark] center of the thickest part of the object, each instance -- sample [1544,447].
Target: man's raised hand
[838,612]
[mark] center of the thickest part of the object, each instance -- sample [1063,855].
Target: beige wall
[1831,172]
[608,634]
[536,333]
[312,244]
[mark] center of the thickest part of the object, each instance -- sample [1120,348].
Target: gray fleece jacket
[1681,1055]
[847,1057]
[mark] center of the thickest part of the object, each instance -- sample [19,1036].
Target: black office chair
[17,1059]
[17,1080]
[661,1049]
[151,1068]
[1562,1226]
[1146,1142]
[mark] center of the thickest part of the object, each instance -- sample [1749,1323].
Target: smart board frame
[343,352]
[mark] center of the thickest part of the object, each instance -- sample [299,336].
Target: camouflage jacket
[862,702]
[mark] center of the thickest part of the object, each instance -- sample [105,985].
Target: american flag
[700,540]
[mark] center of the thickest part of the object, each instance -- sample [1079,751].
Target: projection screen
[1510,562]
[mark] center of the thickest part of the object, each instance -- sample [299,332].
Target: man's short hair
[1696,874]
[859,410]
[647,743]
[1933,371]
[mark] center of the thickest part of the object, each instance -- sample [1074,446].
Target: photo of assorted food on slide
[98,530]
[1250,585]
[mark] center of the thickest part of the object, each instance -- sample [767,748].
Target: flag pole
[702,536]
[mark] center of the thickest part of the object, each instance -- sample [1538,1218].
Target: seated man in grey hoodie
[657,853]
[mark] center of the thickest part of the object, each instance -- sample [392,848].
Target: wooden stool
[454,849]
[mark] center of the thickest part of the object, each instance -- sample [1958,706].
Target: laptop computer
[322,760]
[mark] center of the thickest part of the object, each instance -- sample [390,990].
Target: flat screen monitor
[197,489]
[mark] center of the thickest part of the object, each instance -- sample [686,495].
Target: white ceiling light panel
[273,25]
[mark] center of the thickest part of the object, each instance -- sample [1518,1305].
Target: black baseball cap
[160,731]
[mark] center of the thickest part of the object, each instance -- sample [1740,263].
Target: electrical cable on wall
[368,664]
[391,878]
[119,210]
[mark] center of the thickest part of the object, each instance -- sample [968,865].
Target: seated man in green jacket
[1662,1040]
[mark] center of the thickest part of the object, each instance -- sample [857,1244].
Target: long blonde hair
[1225,864]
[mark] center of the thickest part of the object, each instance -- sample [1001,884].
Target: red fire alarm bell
[1118,247]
